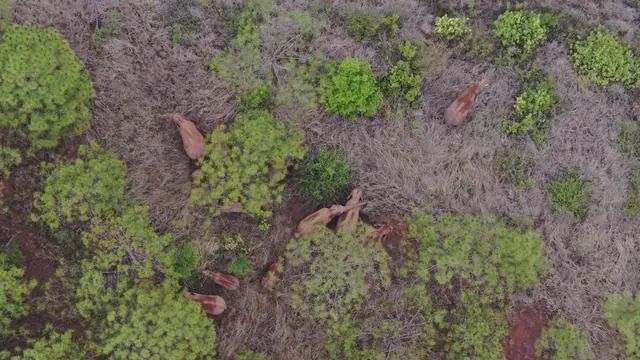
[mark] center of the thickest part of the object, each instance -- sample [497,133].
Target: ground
[140,76]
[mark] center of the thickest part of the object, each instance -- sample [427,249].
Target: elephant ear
[273,275]
[348,221]
[228,282]
[211,304]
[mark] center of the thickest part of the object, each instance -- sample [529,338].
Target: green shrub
[245,163]
[622,312]
[602,58]
[91,187]
[452,28]
[339,272]
[343,342]
[570,193]
[563,341]
[127,244]
[629,140]
[474,331]
[246,354]
[533,107]
[54,346]
[153,323]
[350,89]
[633,197]
[240,267]
[12,254]
[403,78]
[185,261]
[363,25]
[325,176]
[241,65]
[298,86]
[12,292]
[44,88]
[522,31]
[9,158]
[482,252]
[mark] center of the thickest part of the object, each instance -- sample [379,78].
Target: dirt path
[524,330]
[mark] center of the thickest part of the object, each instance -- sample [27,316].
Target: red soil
[525,328]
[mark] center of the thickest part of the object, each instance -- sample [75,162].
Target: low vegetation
[522,31]
[633,197]
[629,140]
[13,290]
[325,176]
[350,89]
[603,59]
[364,25]
[9,158]
[570,193]
[452,28]
[403,79]
[533,106]
[622,312]
[44,88]
[562,341]
[245,164]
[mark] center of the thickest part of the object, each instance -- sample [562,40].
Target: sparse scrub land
[131,249]
[603,59]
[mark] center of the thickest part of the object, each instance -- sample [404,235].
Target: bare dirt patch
[525,328]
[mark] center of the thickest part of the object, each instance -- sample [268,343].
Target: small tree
[44,88]
[245,163]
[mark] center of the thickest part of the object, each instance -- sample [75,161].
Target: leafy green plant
[44,88]
[622,312]
[522,31]
[153,322]
[363,25]
[350,89]
[633,197]
[245,164]
[241,65]
[240,267]
[9,158]
[452,28]
[533,107]
[325,175]
[55,346]
[403,78]
[246,354]
[629,140]
[562,341]
[602,58]
[91,187]
[570,193]
[339,271]
[12,292]
[482,252]
[185,261]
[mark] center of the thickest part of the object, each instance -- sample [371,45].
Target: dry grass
[140,75]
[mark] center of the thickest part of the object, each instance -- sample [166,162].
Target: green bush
[44,88]
[602,58]
[241,65]
[339,272]
[570,193]
[522,31]
[343,342]
[482,252]
[533,107]
[12,292]
[185,261]
[622,312]
[452,28]
[350,89]
[127,244]
[563,341]
[629,140]
[9,158]
[633,197]
[403,78]
[154,323]
[245,163]
[240,267]
[54,346]
[325,176]
[91,187]
[246,354]
[363,25]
